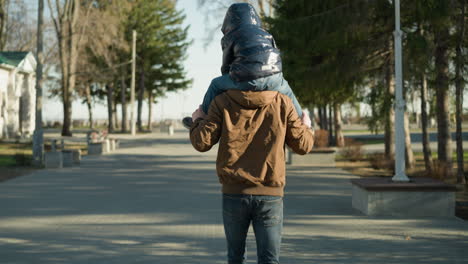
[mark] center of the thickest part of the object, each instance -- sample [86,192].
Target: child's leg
[217,86]
[278,83]
[286,89]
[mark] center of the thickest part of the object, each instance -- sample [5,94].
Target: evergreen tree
[418,66]
[460,61]
[436,16]
[161,49]
[320,57]
[337,47]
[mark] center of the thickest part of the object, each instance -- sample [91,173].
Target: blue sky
[202,65]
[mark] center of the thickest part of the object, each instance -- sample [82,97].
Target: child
[251,60]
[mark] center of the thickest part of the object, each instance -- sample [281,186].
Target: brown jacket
[252,128]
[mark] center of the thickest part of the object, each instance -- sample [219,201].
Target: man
[252,128]
[250,56]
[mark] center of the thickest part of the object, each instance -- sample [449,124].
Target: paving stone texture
[157,200]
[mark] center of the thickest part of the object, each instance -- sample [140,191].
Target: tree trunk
[424,124]
[320,117]
[66,28]
[71,80]
[89,104]
[312,115]
[338,126]
[66,94]
[330,124]
[150,110]
[459,84]
[110,112]
[409,156]
[141,91]
[390,119]
[325,117]
[357,108]
[67,113]
[3,22]
[123,102]
[444,149]
[114,113]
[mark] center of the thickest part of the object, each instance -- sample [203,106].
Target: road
[158,201]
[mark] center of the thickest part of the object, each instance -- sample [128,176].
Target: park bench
[63,157]
[99,142]
[167,127]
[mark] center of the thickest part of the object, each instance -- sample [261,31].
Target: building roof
[13,58]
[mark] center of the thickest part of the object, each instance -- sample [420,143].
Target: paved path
[159,202]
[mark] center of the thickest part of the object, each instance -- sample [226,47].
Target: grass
[20,154]
[418,156]
[434,155]
[13,148]
[412,130]
[7,161]
[370,141]
[15,158]
[15,154]
[88,128]
[351,131]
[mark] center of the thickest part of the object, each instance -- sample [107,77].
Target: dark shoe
[187,121]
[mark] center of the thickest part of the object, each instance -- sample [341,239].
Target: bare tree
[4,4]
[103,45]
[216,9]
[66,14]
[339,139]
[17,27]
[265,7]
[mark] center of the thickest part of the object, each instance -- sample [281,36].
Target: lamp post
[38,137]
[400,175]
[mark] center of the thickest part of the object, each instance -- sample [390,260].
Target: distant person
[251,60]
[252,128]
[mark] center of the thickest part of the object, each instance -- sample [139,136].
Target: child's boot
[187,121]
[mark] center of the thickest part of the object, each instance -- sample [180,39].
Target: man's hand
[306,120]
[198,114]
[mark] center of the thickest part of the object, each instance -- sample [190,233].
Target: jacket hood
[252,99]
[240,14]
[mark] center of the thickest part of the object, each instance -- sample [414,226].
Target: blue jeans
[274,82]
[266,215]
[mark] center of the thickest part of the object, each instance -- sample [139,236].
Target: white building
[17,94]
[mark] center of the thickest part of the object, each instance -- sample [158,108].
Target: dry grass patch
[16,157]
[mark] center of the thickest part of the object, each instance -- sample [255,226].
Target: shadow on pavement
[115,209]
[144,142]
[165,207]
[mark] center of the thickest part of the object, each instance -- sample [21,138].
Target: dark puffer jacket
[249,52]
